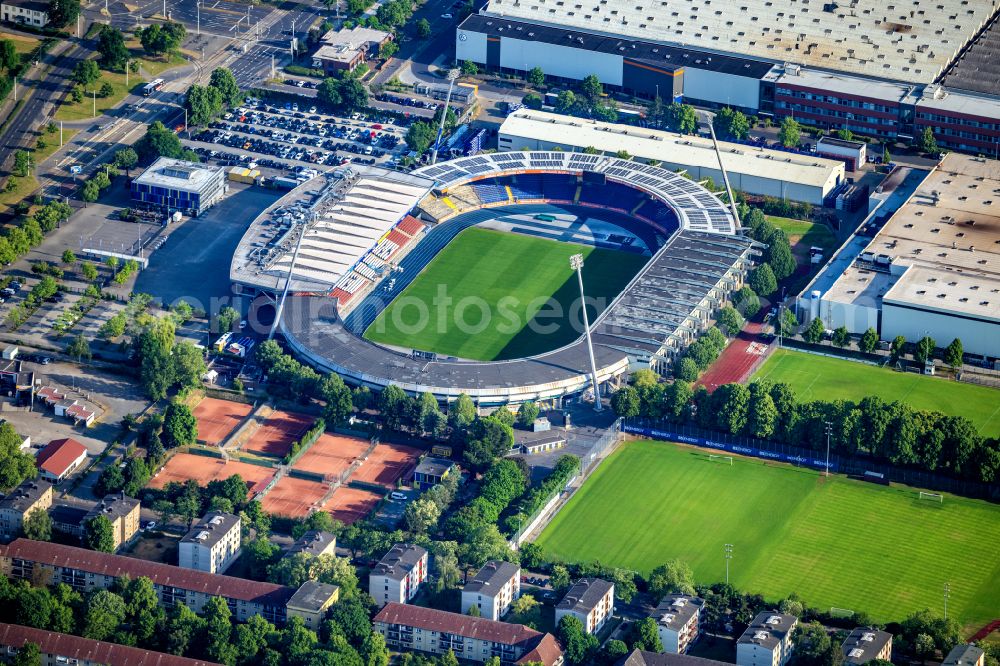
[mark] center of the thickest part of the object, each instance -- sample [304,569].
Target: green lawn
[70,110]
[22,43]
[497,282]
[837,542]
[815,377]
[806,233]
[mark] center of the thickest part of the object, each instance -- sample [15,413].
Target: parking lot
[300,135]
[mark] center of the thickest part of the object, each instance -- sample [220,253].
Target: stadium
[372,254]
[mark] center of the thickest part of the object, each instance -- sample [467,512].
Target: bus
[152,87]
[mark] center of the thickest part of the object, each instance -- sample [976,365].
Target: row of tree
[206,103]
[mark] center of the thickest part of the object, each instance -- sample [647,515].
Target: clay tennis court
[218,418]
[331,455]
[293,497]
[275,436]
[387,464]
[349,505]
[184,466]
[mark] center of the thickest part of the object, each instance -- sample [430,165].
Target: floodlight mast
[452,76]
[728,549]
[709,117]
[288,278]
[576,263]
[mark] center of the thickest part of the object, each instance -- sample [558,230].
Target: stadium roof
[697,208]
[691,151]
[345,212]
[912,41]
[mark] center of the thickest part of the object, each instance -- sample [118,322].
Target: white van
[396,495]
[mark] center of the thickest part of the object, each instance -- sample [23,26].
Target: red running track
[736,361]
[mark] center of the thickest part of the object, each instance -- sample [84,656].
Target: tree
[157,40]
[790,133]
[461,412]
[896,348]
[647,635]
[86,72]
[533,101]
[142,608]
[353,95]
[204,104]
[98,534]
[672,577]
[746,302]
[812,644]
[729,320]
[762,416]
[841,337]
[23,163]
[536,76]
[182,627]
[15,465]
[953,354]
[79,348]
[762,280]
[226,319]
[105,613]
[613,651]
[625,402]
[63,12]
[814,332]
[927,143]
[111,50]
[527,413]
[419,136]
[126,158]
[566,101]
[869,341]
[578,646]
[924,350]
[469,68]
[180,427]
[218,632]
[779,256]
[421,515]
[731,404]
[423,29]
[731,124]
[923,647]
[107,90]
[683,118]
[188,365]
[845,134]
[28,654]
[161,142]
[9,58]
[37,525]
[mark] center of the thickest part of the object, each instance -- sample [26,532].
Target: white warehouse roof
[179,174]
[691,151]
[909,41]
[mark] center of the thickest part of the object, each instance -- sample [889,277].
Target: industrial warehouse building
[865,67]
[933,269]
[179,185]
[751,169]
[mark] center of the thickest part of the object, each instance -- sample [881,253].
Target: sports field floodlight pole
[452,75]
[709,117]
[288,279]
[729,555]
[947,591]
[576,263]
[829,430]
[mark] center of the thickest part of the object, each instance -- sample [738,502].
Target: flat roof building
[315,543]
[865,644]
[180,185]
[493,589]
[311,602]
[934,267]
[212,544]
[430,471]
[590,600]
[398,575]
[19,503]
[123,513]
[767,641]
[678,621]
[965,655]
[751,169]
[346,49]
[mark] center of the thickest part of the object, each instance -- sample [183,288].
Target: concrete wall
[720,88]
[978,337]
[470,46]
[857,318]
[562,61]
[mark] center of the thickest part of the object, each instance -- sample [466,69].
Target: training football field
[836,542]
[495,282]
[813,377]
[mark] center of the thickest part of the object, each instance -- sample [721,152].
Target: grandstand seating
[397,238]
[558,187]
[610,195]
[490,192]
[527,187]
[410,226]
[658,212]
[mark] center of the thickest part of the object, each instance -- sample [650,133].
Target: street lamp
[576,263]
[453,74]
[728,549]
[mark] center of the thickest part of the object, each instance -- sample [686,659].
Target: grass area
[23,187]
[83,110]
[805,233]
[497,283]
[813,377]
[154,66]
[52,144]
[22,43]
[836,542]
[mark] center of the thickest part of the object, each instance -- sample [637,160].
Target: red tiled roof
[479,628]
[58,455]
[546,651]
[98,652]
[54,554]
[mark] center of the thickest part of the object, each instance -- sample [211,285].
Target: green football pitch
[837,542]
[495,284]
[813,377]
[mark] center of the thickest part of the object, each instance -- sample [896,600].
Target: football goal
[713,457]
[841,612]
[933,497]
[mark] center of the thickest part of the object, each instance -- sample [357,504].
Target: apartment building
[19,503]
[590,600]
[865,644]
[398,575]
[965,655]
[311,602]
[66,650]
[767,641]
[86,570]
[492,590]
[409,628]
[678,619]
[315,543]
[27,12]
[123,512]
[212,544]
